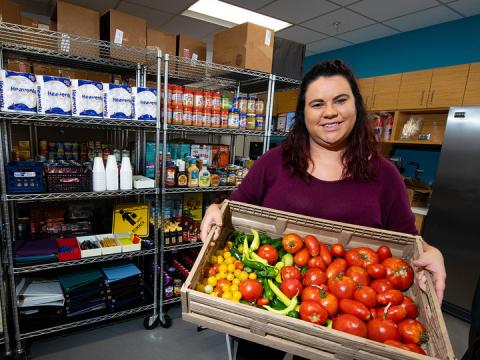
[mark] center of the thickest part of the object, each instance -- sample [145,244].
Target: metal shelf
[209,130]
[2,340]
[77,195]
[88,260]
[279,133]
[173,300]
[76,324]
[200,189]
[183,246]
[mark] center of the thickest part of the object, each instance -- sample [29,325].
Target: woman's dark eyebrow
[339,96]
[321,100]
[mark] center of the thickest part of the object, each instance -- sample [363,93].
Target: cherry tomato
[269,253]
[291,272]
[263,301]
[396,313]
[211,271]
[358,275]
[311,293]
[218,291]
[397,344]
[416,348]
[292,243]
[329,302]
[291,287]
[410,307]
[317,262]
[350,324]
[301,258]
[335,268]
[399,273]
[312,244]
[383,252]
[314,276]
[354,307]
[325,254]
[376,271]
[361,256]
[251,289]
[381,285]
[313,312]
[342,287]
[373,313]
[382,330]
[366,295]
[412,331]
[337,250]
[393,296]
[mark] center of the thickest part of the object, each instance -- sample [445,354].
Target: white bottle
[126,174]
[112,173]
[204,177]
[99,176]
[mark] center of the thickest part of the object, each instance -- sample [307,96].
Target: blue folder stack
[124,286]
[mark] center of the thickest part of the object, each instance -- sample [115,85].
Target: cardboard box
[26,21]
[164,41]
[296,336]
[191,48]
[98,76]
[419,197]
[193,205]
[10,12]
[45,69]
[203,152]
[220,155]
[248,46]
[19,65]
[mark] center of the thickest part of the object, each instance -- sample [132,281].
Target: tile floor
[129,340]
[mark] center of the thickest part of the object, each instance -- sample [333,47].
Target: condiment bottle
[193,174]
[204,177]
[171,173]
[182,178]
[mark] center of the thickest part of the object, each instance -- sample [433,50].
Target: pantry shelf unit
[2,340]
[85,261]
[77,324]
[219,131]
[77,196]
[200,189]
[174,300]
[183,246]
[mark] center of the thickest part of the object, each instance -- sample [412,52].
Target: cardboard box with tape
[191,48]
[10,12]
[166,42]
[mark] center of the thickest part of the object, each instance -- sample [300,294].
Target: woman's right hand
[212,218]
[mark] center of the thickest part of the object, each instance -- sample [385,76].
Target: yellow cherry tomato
[231,268]
[223,274]
[212,280]
[236,281]
[236,295]
[213,259]
[208,289]
[213,294]
[233,288]
[230,277]
[227,295]
[226,288]
[240,249]
[229,244]
[200,287]
[252,276]
[220,259]
[243,276]
[223,268]
[230,260]
[218,276]
[227,254]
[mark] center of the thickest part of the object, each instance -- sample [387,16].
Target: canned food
[169,114]
[177,115]
[259,106]
[207,114]
[187,116]
[224,119]
[207,100]
[177,96]
[259,122]
[197,118]
[225,102]
[169,94]
[188,98]
[242,124]
[233,119]
[198,100]
[251,122]
[215,120]
[251,104]
[242,105]
[216,101]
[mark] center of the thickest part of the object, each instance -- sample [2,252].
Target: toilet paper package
[144,103]
[117,101]
[54,95]
[87,98]
[18,92]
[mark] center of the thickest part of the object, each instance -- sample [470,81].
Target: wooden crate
[296,336]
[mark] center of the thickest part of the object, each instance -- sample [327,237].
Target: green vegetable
[304,269]
[268,272]
[277,244]
[329,323]
[267,291]
[285,311]
[277,304]
[293,314]
[283,298]
[256,240]
[287,259]
[257,258]
[247,269]
[235,253]
[281,252]
[253,264]
[279,266]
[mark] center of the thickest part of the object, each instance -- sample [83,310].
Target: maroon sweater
[381,204]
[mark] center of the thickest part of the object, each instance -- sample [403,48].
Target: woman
[329,168]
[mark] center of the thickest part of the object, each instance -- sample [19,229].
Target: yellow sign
[132,218]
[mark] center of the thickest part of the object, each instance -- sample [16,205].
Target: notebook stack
[124,285]
[31,252]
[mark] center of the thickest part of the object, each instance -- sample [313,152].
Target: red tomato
[381,285]
[354,307]
[337,250]
[311,293]
[397,344]
[350,324]
[312,244]
[410,307]
[335,268]
[382,330]
[392,296]
[317,262]
[291,287]
[342,287]
[263,301]
[269,253]
[314,276]
[301,258]
[366,295]
[399,273]
[358,275]
[313,312]
[383,252]
[292,243]
[325,254]
[211,271]
[416,348]
[376,271]
[251,289]
[329,302]
[373,313]
[412,331]
[361,256]
[291,272]
[396,313]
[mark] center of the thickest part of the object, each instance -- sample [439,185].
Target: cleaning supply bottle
[99,176]
[112,173]
[126,174]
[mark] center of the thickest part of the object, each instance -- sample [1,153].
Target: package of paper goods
[293,335]
[124,285]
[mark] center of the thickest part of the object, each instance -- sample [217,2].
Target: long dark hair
[361,142]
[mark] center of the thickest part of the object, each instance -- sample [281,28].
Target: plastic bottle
[171,172]
[99,176]
[126,174]
[111,173]
[204,177]
[182,178]
[192,173]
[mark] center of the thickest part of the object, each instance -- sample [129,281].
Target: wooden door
[385,92]
[366,89]
[448,86]
[414,89]
[472,90]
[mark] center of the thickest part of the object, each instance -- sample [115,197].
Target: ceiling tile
[466,7]
[344,2]
[172,7]
[380,11]
[348,21]
[327,44]
[101,6]
[190,27]
[424,18]
[297,11]
[367,33]
[300,34]
[155,18]
[249,4]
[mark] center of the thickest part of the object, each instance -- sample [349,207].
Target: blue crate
[25,177]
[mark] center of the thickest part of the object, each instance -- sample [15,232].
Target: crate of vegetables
[315,288]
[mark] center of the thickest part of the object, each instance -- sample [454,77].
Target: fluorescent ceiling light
[221,13]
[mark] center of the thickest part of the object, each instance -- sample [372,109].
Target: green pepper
[256,240]
[277,304]
[287,259]
[235,253]
[247,269]
[329,323]
[268,272]
[304,270]
[255,257]
[293,314]
[277,244]
[253,264]
[265,239]
[283,298]
[285,311]
[267,291]
[281,252]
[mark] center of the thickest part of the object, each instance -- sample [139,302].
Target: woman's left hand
[432,261]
